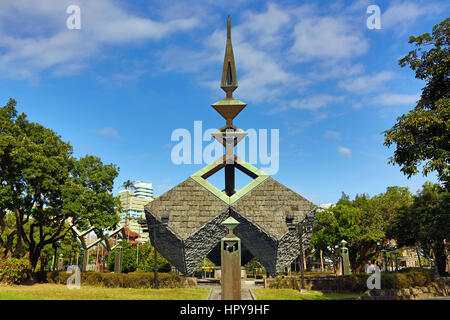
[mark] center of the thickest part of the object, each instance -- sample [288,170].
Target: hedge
[357,282]
[13,270]
[117,280]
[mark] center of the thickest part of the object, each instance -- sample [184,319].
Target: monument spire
[229,107]
[229,80]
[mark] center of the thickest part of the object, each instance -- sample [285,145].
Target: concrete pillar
[118,260]
[85,259]
[230,247]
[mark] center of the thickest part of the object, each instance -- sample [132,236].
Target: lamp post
[72,251]
[383,257]
[334,251]
[55,247]
[60,261]
[393,255]
[383,252]
[164,221]
[418,256]
[302,227]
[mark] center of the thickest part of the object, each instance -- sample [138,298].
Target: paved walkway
[246,291]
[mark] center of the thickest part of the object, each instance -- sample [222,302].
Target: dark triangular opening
[229,75]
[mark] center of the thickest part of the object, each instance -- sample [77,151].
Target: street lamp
[334,252]
[304,226]
[418,256]
[72,251]
[55,246]
[393,255]
[164,221]
[383,253]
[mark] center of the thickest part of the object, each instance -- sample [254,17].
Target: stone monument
[197,208]
[118,258]
[230,246]
[345,261]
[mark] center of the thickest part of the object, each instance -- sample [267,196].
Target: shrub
[13,270]
[357,282]
[117,280]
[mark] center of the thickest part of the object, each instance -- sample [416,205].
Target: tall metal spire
[229,107]
[229,81]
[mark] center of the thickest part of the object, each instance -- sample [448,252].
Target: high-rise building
[143,190]
[133,202]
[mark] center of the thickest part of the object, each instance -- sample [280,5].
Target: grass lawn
[49,291]
[291,294]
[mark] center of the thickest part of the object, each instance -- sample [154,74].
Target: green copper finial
[230,223]
[229,80]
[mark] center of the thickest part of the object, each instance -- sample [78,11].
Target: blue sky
[137,70]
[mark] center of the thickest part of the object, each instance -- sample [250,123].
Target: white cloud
[330,134]
[266,66]
[392,99]
[328,69]
[327,38]
[345,151]
[108,131]
[266,28]
[263,77]
[27,48]
[366,84]
[315,102]
[400,15]
[263,74]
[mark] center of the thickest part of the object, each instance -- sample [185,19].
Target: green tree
[147,260]
[355,221]
[128,185]
[388,203]
[42,185]
[425,222]
[129,261]
[423,134]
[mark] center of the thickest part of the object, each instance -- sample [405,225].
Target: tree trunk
[304,260]
[43,259]
[363,249]
[34,258]
[321,261]
[440,255]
